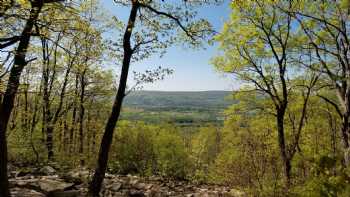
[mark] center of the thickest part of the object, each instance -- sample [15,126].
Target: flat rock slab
[49,186]
[43,185]
[24,192]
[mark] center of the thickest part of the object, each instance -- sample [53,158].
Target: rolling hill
[185,108]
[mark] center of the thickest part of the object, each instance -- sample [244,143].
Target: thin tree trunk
[34,121]
[87,127]
[74,115]
[95,184]
[81,118]
[24,116]
[11,90]
[65,135]
[47,117]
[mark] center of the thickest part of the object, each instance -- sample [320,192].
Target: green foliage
[170,153]
[266,44]
[133,150]
[206,146]
[328,181]
[146,150]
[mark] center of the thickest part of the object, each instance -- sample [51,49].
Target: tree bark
[34,121]
[95,184]
[81,117]
[11,90]
[49,142]
[345,138]
[74,115]
[282,145]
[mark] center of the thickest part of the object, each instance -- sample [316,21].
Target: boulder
[116,187]
[140,186]
[72,179]
[47,170]
[133,180]
[50,186]
[82,175]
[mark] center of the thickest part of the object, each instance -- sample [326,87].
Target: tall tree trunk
[49,141]
[94,135]
[34,121]
[95,184]
[74,115]
[24,116]
[343,94]
[11,90]
[47,116]
[282,145]
[81,117]
[88,136]
[65,135]
[345,130]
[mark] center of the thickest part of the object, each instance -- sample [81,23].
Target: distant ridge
[215,100]
[183,91]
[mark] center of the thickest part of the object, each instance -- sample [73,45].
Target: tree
[156,36]
[326,33]
[49,77]
[259,44]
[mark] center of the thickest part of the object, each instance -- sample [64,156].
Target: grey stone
[47,170]
[48,185]
[115,187]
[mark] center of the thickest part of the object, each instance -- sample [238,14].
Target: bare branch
[336,107]
[177,20]
[9,41]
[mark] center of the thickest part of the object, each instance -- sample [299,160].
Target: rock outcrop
[74,184]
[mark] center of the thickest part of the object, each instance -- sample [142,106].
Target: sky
[192,68]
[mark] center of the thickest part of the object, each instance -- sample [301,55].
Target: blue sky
[192,68]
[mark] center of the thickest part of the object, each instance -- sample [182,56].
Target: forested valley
[76,119]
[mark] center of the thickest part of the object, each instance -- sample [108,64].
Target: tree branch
[177,20]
